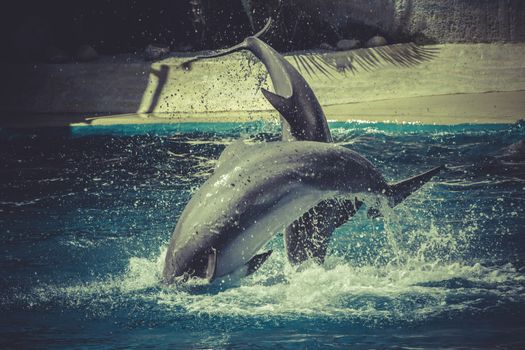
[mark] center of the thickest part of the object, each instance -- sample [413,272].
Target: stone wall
[35,30]
[438,21]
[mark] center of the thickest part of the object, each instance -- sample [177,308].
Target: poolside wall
[463,81]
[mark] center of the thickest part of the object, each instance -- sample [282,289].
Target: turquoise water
[86,214]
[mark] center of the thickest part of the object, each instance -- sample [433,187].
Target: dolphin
[302,119]
[253,195]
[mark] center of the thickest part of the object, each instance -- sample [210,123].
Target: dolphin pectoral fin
[256,262]
[308,237]
[212,265]
[282,104]
[401,190]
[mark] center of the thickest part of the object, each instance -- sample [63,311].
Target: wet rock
[86,53]
[155,52]
[53,54]
[348,44]
[184,47]
[327,47]
[376,41]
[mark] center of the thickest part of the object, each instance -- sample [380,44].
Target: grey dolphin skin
[251,196]
[302,119]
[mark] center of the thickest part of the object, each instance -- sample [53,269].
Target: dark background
[29,27]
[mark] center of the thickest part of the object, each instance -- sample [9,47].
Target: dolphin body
[302,119]
[254,194]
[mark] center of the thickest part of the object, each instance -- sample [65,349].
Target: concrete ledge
[483,108]
[463,83]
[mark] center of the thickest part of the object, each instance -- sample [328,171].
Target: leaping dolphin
[302,119]
[251,196]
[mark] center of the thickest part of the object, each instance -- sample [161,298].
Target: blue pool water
[86,214]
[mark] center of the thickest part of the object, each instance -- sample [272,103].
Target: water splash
[418,284]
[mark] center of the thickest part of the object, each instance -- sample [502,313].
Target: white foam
[409,290]
[411,279]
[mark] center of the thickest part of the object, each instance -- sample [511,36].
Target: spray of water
[407,275]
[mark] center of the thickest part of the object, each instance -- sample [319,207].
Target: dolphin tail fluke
[401,190]
[264,29]
[220,53]
[187,65]
[256,262]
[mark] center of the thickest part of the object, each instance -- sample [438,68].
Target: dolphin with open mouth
[253,195]
[303,119]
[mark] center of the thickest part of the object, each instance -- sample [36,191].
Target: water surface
[86,214]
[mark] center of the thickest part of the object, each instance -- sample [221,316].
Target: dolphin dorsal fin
[236,150]
[282,104]
[401,190]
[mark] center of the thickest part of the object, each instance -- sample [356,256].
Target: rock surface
[86,53]
[327,47]
[53,54]
[155,52]
[376,41]
[184,47]
[439,21]
[348,44]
